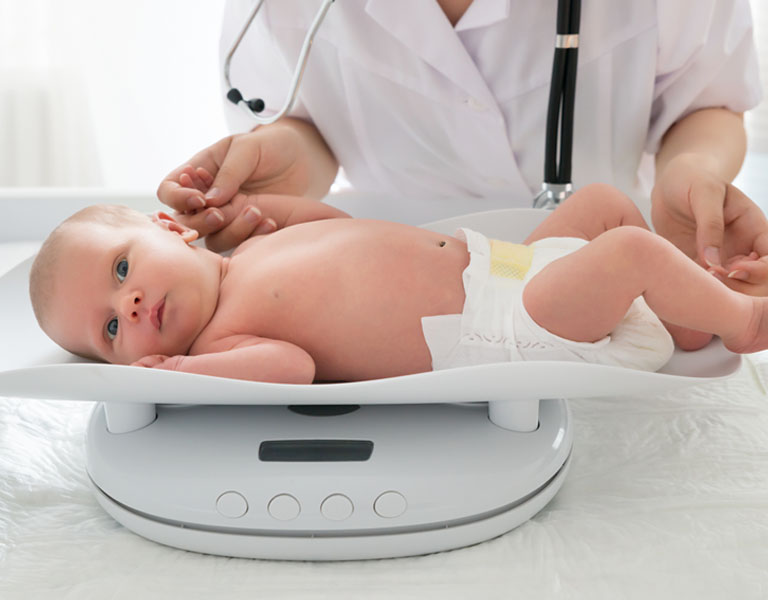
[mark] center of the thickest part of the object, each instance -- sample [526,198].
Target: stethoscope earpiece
[234,96]
[254,104]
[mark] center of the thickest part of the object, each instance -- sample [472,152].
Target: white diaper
[495,327]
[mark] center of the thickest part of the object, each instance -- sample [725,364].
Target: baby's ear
[166,221]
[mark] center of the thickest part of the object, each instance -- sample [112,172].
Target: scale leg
[124,417]
[515,415]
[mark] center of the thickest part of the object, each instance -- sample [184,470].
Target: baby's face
[121,294]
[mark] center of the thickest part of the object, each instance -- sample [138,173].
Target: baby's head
[113,284]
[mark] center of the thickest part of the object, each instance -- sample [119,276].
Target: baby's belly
[359,315]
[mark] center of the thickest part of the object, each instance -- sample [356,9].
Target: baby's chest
[243,308]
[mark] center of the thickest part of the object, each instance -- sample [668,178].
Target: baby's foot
[755,336]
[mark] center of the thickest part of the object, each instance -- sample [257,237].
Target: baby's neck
[215,269]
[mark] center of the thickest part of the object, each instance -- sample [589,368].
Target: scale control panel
[335,507]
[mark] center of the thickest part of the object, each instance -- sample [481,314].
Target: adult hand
[227,225]
[288,157]
[712,221]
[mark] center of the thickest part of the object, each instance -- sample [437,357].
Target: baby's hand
[190,187]
[159,361]
[237,219]
[751,267]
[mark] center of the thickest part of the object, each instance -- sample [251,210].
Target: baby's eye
[112,328]
[122,269]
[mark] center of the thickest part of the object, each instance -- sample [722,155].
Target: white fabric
[495,326]
[411,105]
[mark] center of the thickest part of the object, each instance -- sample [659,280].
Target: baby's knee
[610,203]
[635,242]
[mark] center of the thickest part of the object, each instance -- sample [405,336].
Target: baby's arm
[243,357]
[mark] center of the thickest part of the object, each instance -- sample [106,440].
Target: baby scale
[386,468]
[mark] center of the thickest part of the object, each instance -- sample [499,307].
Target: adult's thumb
[707,203]
[236,168]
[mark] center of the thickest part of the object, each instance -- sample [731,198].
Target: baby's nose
[131,304]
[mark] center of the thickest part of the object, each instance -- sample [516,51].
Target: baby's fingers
[149,361]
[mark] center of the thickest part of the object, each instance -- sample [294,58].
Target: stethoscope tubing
[562,95]
[254,106]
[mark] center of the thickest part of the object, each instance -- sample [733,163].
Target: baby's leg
[589,212]
[584,295]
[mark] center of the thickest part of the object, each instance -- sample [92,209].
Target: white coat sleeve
[706,58]
[258,69]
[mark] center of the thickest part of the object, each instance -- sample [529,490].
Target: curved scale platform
[32,366]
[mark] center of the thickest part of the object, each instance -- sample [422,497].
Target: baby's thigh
[590,211]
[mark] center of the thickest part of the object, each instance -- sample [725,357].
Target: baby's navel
[441,243]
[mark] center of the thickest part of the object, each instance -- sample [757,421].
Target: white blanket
[667,497]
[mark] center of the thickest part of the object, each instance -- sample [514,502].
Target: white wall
[100,92]
[116,94]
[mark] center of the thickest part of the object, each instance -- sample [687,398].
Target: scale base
[331,548]
[437,477]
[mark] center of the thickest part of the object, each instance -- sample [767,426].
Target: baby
[330,298]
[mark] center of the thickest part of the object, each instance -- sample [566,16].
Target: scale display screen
[315,450]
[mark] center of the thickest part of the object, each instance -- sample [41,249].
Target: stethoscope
[557,185]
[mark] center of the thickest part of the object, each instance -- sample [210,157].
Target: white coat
[412,106]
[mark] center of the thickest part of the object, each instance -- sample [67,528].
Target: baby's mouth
[156,316]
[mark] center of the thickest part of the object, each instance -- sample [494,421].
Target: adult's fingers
[749,224]
[237,166]
[205,222]
[706,201]
[753,271]
[249,222]
[176,192]
[171,193]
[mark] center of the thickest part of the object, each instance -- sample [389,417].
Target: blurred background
[108,94]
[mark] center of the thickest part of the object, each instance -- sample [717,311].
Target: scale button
[232,505]
[337,507]
[284,507]
[390,505]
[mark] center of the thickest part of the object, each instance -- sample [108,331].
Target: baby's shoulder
[247,245]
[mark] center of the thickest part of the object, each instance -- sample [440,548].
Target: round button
[475,104]
[231,505]
[390,505]
[284,507]
[337,507]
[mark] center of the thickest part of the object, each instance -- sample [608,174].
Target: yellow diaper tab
[509,260]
